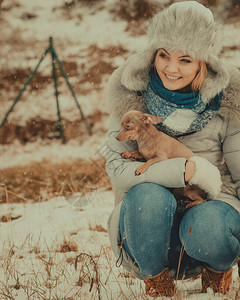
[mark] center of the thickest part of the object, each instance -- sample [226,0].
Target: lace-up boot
[160,285]
[218,281]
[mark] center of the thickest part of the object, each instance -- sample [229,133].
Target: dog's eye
[127,127]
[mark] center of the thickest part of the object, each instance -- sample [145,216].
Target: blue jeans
[153,232]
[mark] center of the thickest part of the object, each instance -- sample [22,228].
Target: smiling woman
[176,69]
[179,78]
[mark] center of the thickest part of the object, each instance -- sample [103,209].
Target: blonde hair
[198,80]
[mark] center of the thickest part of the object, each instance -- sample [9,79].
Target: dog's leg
[196,194]
[135,154]
[147,164]
[195,202]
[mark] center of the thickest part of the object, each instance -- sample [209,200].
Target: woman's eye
[186,61]
[163,55]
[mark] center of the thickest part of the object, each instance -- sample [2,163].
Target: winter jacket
[219,141]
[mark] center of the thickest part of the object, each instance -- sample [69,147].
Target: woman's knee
[149,205]
[146,219]
[150,196]
[209,232]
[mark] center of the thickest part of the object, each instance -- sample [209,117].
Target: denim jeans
[153,232]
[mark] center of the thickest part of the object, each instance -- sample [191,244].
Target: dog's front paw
[126,154]
[141,170]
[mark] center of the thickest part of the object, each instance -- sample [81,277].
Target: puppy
[155,146]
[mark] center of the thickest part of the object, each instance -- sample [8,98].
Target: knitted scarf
[182,114]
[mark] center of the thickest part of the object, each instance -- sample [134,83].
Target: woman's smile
[172,78]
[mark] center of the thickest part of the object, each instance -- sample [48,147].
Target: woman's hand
[190,170]
[199,171]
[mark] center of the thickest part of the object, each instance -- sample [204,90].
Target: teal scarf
[183,114]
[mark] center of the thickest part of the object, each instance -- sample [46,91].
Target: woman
[180,78]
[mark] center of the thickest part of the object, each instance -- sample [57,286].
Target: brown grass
[135,10]
[8,218]
[37,127]
[97,64]
[42,181]
[92,278]
[13,79]
[68,246]
[210,3]
[97,227]
[234,11]
[88,271]
[136,13]
[74,3]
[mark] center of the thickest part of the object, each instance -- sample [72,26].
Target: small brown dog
[155,146]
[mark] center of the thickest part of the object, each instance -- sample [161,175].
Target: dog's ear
[153,119]
[144,118]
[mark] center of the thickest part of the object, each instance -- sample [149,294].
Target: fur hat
[189,27]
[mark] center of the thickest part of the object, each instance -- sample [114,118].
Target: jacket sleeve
[169,173]
[231,152]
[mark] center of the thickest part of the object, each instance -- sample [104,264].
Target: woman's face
[176,69]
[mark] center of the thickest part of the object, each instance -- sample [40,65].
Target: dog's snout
[118,137]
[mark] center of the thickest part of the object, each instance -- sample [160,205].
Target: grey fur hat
[187,26]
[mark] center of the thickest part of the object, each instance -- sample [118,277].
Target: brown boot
[160,285]
[218,281]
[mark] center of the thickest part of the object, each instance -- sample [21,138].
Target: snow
[30,250]
[54,151]
[36,237]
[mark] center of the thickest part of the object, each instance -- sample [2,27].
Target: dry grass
[97,227]
[54,275]
[43,181]
[135,10]
[136,13]
[210,3]
[39,128]
[234,11]
[98,63]
[49,277]
[68,246]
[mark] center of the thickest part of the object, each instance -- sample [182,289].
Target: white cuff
[206,176]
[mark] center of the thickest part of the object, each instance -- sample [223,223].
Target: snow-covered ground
[40,241]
